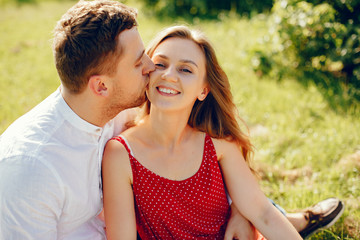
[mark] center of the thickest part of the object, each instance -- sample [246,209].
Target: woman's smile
[167,91]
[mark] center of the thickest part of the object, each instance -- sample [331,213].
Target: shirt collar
[73,118]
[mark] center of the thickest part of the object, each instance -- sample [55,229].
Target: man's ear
[204,93]
[97,84]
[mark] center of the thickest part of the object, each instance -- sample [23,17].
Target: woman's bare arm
[247,196]
[118,195]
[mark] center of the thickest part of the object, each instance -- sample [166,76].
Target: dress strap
[124,142]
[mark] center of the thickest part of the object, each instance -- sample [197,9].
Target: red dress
[194,208]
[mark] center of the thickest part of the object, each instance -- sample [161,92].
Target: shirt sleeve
[30,200]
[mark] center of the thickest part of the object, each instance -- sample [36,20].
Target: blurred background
[294,68]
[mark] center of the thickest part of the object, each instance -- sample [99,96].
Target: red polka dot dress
[194,208]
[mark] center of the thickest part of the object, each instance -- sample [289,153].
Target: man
[50,184]
[50,158]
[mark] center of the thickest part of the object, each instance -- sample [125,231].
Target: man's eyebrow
[181,60]
[140,56]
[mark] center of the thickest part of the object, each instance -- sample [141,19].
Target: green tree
[205,8]
[320,40]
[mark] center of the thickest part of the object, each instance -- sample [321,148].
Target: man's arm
[29,200]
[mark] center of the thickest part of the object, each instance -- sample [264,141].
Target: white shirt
[50,185]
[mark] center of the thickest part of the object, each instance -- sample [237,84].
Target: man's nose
[149,66]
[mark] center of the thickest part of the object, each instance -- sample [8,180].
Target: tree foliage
[205,8]
[318,39]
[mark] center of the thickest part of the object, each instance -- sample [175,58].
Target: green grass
[305,151]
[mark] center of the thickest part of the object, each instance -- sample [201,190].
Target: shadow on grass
[341,98]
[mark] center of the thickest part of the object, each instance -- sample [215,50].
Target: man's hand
[239,227]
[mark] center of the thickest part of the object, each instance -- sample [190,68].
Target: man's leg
[319,216]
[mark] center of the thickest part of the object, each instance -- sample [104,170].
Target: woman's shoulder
[114,150]
[222,142]
[116,159]
[135,131]
[225,146]
[119,147]
[136,139]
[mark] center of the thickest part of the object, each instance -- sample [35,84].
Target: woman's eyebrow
[188,61]
[181,60]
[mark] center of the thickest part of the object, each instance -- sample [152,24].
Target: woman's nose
[170,74]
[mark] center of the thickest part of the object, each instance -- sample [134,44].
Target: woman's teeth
[166,90]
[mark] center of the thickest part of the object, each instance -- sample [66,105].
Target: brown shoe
[322,215]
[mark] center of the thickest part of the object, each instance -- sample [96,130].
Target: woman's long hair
[216,115]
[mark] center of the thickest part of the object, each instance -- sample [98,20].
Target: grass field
[305,151]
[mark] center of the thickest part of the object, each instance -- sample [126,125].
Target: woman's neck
[168,129]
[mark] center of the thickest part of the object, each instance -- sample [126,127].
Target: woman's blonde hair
[217,114]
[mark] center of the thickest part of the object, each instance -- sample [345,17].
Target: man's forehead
[129,35]
[130,43]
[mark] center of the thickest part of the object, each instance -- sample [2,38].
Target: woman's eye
[186,70]
[159,65]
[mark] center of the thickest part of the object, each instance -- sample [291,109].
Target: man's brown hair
[85,40]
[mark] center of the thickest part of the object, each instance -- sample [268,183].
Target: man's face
[131,77]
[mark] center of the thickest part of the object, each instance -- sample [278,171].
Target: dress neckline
[132,158]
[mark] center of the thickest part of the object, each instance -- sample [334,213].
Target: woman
[165,176]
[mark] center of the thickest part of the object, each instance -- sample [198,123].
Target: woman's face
[179,77]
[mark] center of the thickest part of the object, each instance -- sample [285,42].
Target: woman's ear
[204,93]
[97,84]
